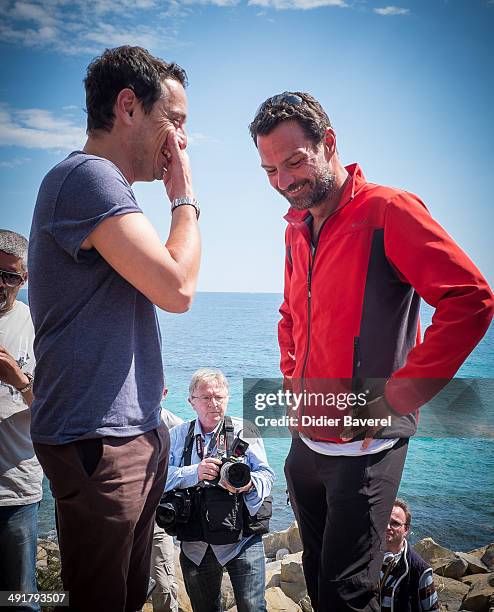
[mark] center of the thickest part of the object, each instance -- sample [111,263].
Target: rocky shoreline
[464,580]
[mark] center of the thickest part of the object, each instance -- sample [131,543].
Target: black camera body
[175,507]
[233,470]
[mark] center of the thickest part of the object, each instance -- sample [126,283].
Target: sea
[448,479]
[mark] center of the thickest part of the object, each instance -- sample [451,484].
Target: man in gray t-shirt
[98,270]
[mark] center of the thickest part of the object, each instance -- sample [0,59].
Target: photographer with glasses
[218,501]
[406,583]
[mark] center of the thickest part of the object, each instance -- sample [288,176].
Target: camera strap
[222,440]
[217,441]
[187,454]
[229,433]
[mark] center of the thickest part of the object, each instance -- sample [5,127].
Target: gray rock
[478,552]
[451,568]
[291,568]
[292,580]
[293,537]
[480,595]
[277,601]
[450,592]
[273,580]
[488,557]
[273,577]
[475,565]
[294,590]
[472,579]
[272,566]
[51,548]
[274,541]
[433,553]
[282,553]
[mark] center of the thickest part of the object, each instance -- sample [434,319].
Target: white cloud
[36,128]
[296,4]
[39,129]
[87,26]
[14,162]
[222,3]
[84,26]
[391,10]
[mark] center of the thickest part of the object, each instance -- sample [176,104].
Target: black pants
[342,505]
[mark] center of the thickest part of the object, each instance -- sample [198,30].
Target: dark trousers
[343,505]
[106,492]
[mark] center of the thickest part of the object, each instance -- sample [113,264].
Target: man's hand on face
[375,409]
[178,176]
[208,468]
[231,489]
[10,372]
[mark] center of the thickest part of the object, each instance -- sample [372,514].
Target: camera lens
[166,514]
[237,474]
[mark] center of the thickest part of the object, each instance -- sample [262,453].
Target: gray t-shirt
[98,346]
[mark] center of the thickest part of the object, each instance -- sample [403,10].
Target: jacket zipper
[356,382]
[356,354]
[309,285]
[309,288]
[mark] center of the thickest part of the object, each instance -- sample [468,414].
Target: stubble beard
[324,186]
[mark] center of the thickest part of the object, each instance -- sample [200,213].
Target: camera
[175,507]
[233,471]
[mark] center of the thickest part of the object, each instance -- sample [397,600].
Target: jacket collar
[357,181]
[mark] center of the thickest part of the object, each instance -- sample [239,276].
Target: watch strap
[29,385]
[186,201]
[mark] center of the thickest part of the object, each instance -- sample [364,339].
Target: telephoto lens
[166,515]
[235,473]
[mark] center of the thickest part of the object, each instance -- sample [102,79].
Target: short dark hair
[404,506]
[309,114]
[117,69]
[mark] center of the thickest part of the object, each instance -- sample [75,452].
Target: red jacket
[351,309]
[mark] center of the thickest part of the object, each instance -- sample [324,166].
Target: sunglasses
[283,98]
[11,279]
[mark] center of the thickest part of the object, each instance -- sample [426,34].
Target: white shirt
[349,449]
[20,473]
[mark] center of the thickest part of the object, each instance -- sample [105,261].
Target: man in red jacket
[358,256]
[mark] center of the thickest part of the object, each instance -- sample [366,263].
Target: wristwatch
[186,201]
[29,385]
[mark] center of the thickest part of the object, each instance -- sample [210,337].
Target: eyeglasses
[285,97]
[395,524]
[218,399]
[11,279]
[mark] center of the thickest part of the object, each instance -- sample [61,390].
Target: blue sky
[408,87]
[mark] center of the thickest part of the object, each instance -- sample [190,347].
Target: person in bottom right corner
[406,583]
